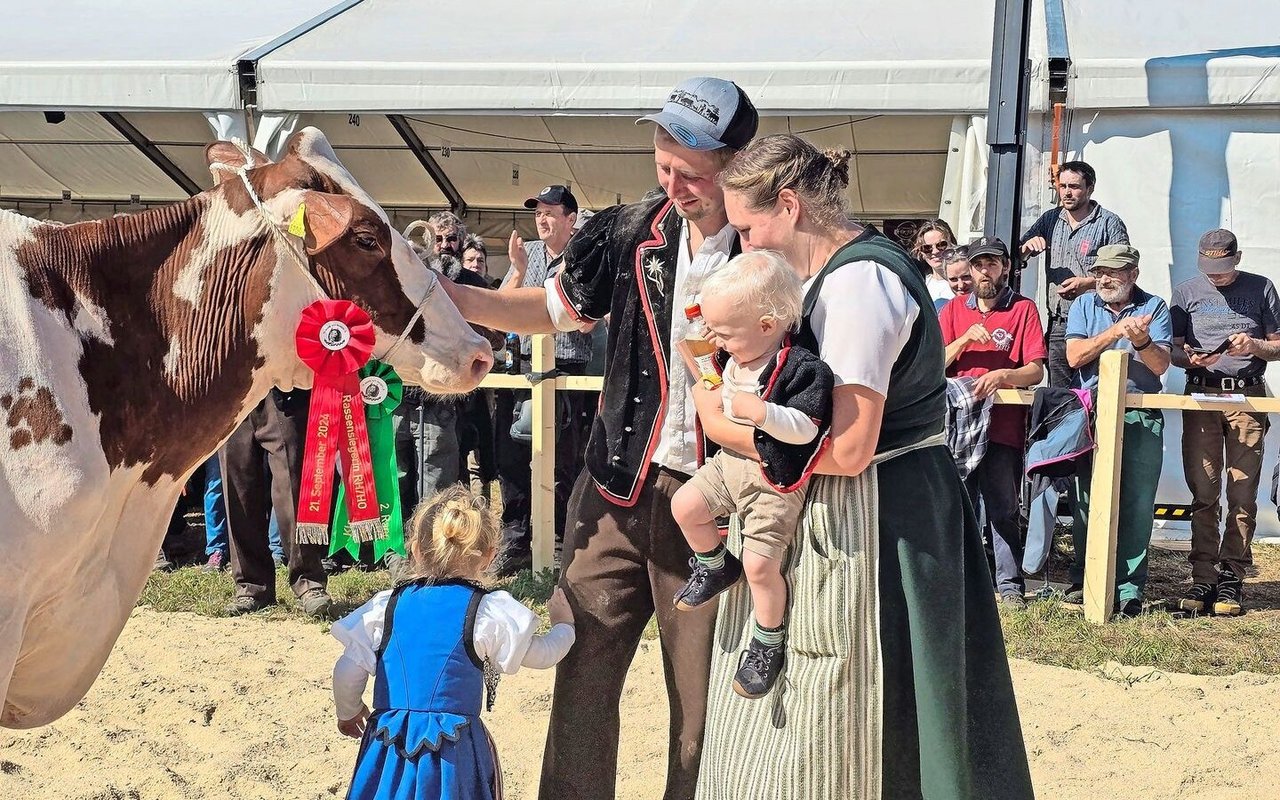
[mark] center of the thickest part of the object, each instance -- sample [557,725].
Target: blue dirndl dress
[424,740]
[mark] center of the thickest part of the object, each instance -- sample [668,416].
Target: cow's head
[353,253]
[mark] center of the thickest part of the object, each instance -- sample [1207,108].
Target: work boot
[1198,598]
[759,668]
[1230,599]
[705,583]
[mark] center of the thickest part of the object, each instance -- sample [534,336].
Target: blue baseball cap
[707,114]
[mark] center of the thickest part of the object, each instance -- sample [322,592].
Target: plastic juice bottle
[699,349]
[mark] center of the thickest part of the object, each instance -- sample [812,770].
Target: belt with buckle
[1225,384]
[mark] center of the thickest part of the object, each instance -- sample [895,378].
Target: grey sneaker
[1013,599]
[317,604]
[245,605]
[1074,595]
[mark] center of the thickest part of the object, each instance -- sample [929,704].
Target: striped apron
[817,735]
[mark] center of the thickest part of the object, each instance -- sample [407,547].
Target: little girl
[433,644]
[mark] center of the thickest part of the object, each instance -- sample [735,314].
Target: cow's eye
[367,241]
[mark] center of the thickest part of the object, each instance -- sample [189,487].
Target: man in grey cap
[1118,315]
[1226,326]
[624,556]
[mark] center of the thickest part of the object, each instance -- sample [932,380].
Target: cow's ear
[327,218]
[225,158]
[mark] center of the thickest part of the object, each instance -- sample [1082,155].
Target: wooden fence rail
[1100,553]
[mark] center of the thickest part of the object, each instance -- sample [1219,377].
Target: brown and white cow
[130,348]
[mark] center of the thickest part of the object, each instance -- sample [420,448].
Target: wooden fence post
[1104,490]
[543,483]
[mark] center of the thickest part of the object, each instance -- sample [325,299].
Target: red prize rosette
[335,338]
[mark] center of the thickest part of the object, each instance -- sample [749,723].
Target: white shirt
[677,444]
[505,634]
[939,288]
[871,320]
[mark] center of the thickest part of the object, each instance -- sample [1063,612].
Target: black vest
[916,405]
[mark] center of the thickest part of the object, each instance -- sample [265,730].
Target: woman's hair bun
[838,158]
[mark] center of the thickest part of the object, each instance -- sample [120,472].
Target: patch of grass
[1048,633]
[189,589]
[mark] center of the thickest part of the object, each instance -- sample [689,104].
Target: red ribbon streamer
[335,338]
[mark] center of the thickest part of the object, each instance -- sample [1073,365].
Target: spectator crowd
[1221,327]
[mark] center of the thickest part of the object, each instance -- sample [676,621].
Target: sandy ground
[195,707]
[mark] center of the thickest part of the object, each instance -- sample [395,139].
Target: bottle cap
[692,311]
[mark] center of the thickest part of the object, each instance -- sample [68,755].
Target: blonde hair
[761,281]
[452,535]
[762,169]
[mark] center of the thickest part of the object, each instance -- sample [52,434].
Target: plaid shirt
[967,421]
[1070,252]
[574,347]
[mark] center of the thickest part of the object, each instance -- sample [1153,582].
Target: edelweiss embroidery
[653,270]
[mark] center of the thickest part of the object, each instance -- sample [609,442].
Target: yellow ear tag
[297,225]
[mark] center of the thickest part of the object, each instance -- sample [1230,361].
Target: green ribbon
[382,448]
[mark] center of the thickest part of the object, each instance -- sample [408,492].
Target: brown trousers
[1208,436]
[621,566]
[261,467]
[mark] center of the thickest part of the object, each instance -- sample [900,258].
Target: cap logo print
[1215,253]
[683,134]
[697,105]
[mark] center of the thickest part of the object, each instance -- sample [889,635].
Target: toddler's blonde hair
[452,535]
[761,281]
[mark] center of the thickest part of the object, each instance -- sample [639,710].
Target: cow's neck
[198,305]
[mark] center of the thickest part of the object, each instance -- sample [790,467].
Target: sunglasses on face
[451,239]
[934,248]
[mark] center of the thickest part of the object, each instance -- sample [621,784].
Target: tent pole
[154,154]
[456,203]
[1007,120]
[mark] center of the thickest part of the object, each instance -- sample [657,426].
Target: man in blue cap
[624,556]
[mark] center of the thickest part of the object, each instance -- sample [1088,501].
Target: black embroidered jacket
[623,263]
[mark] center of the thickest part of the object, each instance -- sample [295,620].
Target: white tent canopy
[487,56]
[143,54]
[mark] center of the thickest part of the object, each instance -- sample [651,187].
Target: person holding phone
[1226,326]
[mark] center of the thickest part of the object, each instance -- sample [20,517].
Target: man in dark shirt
[1069,236]
[1226,326]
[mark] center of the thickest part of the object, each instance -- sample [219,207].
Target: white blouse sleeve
[506,634]
[863,319]
[360,633]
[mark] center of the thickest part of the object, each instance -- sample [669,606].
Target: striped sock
[768,636]
[713,559]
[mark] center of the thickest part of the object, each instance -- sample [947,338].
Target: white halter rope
[300,260]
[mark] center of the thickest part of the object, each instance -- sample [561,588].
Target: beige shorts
[731,483]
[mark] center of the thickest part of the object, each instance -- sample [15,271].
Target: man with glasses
[994,336]
[1226,327]
[1117,315]
[1070,237]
